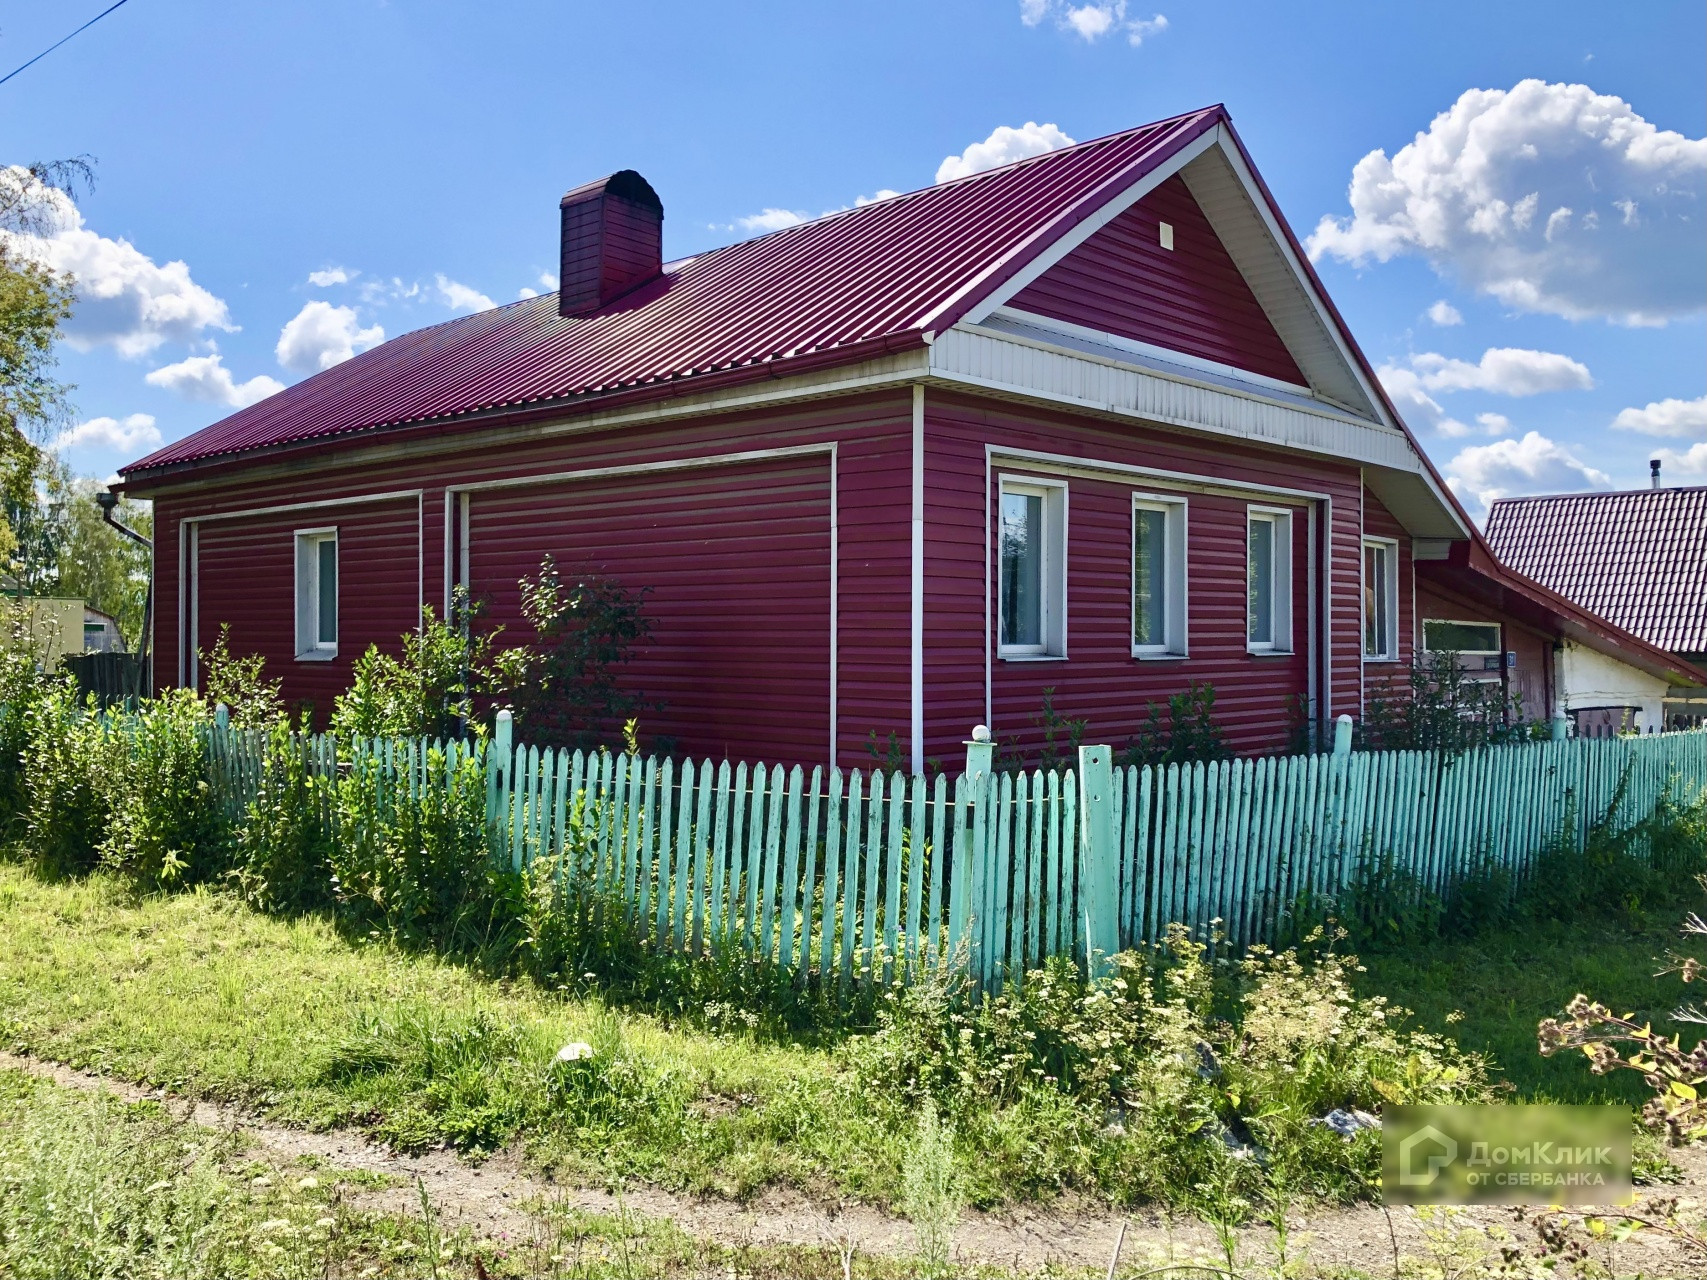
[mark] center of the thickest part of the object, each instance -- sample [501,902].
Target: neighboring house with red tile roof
[1086,423]
[1637,558]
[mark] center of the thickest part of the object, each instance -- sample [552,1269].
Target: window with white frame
[1380,599]
[1158,577]
[1444,635]
[1268,580]
[1032,591]
[316,594]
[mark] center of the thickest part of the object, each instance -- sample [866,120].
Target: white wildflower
[574,1051]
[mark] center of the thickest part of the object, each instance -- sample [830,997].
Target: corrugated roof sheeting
[881,271]
[1638,558]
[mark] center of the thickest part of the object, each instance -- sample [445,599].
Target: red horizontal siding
[1390,679]
[1100,680]
[1191,298]
[247,578]
[872,436]
[736,565]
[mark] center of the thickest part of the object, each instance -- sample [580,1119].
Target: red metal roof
[880,275]
[1638,558]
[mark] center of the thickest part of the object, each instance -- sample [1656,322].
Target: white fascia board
[1035,370]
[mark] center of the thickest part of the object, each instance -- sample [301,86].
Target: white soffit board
[1221,190]
[1007,363]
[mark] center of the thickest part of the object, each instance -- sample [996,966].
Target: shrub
[239,683]
[70,755]
[429,689]
[1190,733]
[564,686]
[413,860]
[1443,709]
[22,685]
[166,826]
[282,846]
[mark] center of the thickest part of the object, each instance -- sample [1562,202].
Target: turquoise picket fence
[853,876]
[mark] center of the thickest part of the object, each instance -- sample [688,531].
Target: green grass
[92,1187]
[1504,981]
[198,994]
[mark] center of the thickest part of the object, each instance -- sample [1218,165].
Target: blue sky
[281,185]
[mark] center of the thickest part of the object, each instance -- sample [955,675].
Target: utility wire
[80,30]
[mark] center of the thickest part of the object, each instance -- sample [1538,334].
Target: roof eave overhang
[141,482]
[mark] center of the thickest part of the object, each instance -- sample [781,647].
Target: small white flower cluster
[574,1051]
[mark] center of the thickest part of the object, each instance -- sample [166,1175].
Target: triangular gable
[1238,209]
[1182,292]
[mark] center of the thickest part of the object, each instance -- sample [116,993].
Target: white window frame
[1499,630]
[1389,548]
[1052,589]
[309,646]
[1280,569]
[1174,552]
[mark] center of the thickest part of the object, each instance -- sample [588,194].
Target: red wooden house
[1087,422]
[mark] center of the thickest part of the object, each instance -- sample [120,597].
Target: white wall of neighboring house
[1588,679]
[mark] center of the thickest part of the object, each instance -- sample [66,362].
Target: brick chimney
[613,241]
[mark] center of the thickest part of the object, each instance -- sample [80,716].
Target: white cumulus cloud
[1004,146]
[1666,418]
[125,299]
[130,434]
[1444,314]
[206,380]
[1421,411]
[1506,468]
[1093,20]
[1692,462]
[461,297]
[326,277]
[772,220]
[321,335]
[1505,371]
[1550,197]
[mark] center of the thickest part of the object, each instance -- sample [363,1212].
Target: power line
[80,30]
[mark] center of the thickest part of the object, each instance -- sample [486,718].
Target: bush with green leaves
[428,689]
[239,684]
[565,686]
[1190,732]
[413,859]
[70,756]
[1442,708]
[22,685]
[281,848]
[165,825]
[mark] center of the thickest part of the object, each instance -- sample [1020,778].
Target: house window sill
[318,655]
[1272,653]
[1161,657]
[1032,657]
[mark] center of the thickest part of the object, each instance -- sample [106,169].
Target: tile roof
[1638,558]
[878,276]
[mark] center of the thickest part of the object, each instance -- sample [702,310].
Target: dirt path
[495,1197]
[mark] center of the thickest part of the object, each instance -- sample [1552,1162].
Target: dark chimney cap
[1653,473]
[625,184]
